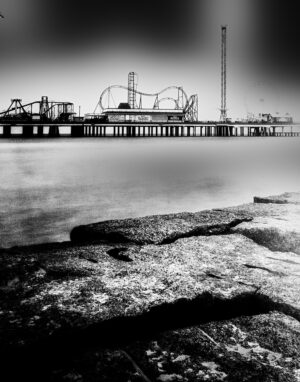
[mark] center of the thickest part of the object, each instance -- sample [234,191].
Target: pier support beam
[76,131]
[7,131]
[53,131]
[40,131]
[27,131]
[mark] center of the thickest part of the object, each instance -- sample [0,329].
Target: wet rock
[287,197]
[160,229]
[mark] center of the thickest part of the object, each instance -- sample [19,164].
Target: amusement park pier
[169,113]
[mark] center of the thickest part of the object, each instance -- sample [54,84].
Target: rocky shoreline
[206,296]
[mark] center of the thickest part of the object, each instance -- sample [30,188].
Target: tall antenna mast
[223,116]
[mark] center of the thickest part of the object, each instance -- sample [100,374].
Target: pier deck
[195,129]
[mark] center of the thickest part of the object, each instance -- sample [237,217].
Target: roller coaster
[188,105]
[38,111]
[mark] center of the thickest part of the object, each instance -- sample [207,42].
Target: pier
[135,130]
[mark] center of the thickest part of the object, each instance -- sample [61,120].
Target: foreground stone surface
[276,226]
[287,197]
[73,288]
[209,296]
[160,229]
[257,348]
[248,348]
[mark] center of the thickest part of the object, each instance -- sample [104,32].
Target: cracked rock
[160,229]
[276,226]
[158,287]
[261,348]
[206,296]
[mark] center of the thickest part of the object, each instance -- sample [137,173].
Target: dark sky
[65,26]
[278,37]
[47,42]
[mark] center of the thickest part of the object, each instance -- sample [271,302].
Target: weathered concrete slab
[159,229]
[55,292]
[287,197]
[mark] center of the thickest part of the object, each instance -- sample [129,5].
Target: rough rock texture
[287,197]
[249,348]
[276,226]
[276,234]
[210,296]
[45,293]
[254,348]
[160,229]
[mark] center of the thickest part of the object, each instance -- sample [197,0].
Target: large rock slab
[284,211]
[287,197]
[66,290]
[276,234]
[261,348]
[160,229]
[276,226]
[258,348]
[130,297]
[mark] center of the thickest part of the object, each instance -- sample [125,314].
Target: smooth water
[48,186]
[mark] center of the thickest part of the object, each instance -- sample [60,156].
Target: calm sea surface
[49,186]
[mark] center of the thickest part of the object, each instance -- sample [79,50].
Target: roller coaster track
[168,99]
[100,103]
[21,107]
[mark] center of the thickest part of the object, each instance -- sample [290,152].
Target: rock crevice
[160,229]
[148,284]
